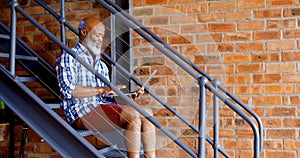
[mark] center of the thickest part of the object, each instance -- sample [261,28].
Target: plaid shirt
[71,73]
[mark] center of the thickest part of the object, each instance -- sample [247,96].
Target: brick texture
[250,46]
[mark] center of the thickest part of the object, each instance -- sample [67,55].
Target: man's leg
[137,129]
[148,136]
[131,121]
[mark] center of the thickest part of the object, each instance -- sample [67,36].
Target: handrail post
[202,120]
[62,21]
[12,64]
[13,36]
[216,121]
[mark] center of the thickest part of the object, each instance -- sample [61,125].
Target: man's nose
[100,39]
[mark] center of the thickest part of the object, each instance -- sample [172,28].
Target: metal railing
[205,81]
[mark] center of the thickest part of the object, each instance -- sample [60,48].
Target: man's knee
[148,110]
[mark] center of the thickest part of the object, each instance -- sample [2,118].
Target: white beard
[92,46]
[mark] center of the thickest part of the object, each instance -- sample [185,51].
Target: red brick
[245,99]
[272,122]
[180,39]
[183,19]
[222,6]
[237,79]
[276,24]
[274,13]
[290,144]
[193,49]
[236,58]
[143,12]
[290,12]
[283,133]
[251,25]
[267,35]
[269,57]
[79,5]
[259,111]
[291,78]
[166,30]
[155,2]
[253,47]
[291,34]
[235,16]
[137,42]
[237,36]
[220,48]
[244,153]
[237,144]
[219,69]
[208,38]
[250,4]
[267,100]
[281,111]
[276,89]
[167,10]
[37,155]
[194,8]
[193,28]
[40,38]
[207,59]
[248,68]
[224,27]
[160,20]
[43,147]
[180,1]
[273,144]
[281,67]
[244,133]
[250,90]
[230,144]
[162,112]
[137,3]
[292,100]
[266,78]
[291,122]
[280,3]
[281,45]
[34,10]
[210,17]
[280,154]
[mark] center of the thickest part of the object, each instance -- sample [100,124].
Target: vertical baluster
[202,120]
[216,121]
[13,32]
[62,21]
[12,66]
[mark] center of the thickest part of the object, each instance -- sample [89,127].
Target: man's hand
[137,93]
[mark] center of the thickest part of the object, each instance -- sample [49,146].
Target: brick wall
[250,46]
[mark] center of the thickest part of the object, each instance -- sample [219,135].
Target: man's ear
[83,32]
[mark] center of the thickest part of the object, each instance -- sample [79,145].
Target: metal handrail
[130,22]
[161,46]
[113,87]
[194,66]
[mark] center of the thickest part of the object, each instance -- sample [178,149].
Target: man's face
[94,39]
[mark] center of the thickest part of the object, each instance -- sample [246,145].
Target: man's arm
[83,92]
